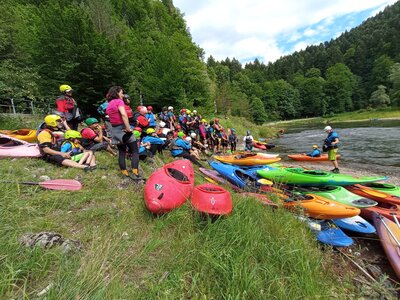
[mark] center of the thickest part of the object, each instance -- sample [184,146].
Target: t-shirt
[128,111]
[88,133]
[44,138]
[113,111]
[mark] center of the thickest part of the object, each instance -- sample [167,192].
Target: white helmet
[170,108]
[328,128]
[193,135]
[162,124]
[188,138]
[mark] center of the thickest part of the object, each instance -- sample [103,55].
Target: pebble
[44,178]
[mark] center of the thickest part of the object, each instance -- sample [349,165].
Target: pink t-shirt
[113,112]
[88,133]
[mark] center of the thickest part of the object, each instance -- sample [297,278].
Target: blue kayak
[240,177]
[356,224]
[332,235]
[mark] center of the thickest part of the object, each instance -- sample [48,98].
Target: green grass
[255,253]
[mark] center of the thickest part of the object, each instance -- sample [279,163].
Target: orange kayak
[247,159]
[373,194]
[318,207]
[27,135]
[303,157]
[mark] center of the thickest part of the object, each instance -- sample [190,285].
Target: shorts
[55,159]
[77,157]
[332,154]
[99,146]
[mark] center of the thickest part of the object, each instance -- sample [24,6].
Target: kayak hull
[384,187]
[13,148]
[211,199]
[166,189]
[27,135]
[303,157]
[370,193]
[214,175]
[388,242]
[333,235]
[183,165]
[355,224]
[246,159]
[299,176]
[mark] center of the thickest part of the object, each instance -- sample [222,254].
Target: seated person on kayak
[181,148]
[51,149]
[315,153]
[93,138]
[73,146]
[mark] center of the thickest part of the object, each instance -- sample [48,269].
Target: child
[233,140]
[315,153]
[78,154]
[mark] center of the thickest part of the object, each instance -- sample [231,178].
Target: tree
[395,79]
[379,98]
[257,111]
[381,70]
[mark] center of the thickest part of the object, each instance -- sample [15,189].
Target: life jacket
[248,139]
[232,138]
[74,149]
[174,146]
[55,142]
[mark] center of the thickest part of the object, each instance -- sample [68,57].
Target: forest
[146,47]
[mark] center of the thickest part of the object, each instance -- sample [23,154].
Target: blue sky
[269,29]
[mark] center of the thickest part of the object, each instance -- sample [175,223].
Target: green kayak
[338,194]
[299,176]
[384,187]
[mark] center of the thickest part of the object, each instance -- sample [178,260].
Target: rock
[104,177]
[48,240]
[44,178]
[125,235]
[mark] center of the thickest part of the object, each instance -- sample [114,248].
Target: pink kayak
[389,234]
[15,148]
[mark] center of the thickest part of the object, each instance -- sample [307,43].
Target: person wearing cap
[67,105]
[93,138]
[171,115]
[315,152]
[331,144]
[181,148]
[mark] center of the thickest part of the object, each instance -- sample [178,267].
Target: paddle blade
[61,184]
[265,181]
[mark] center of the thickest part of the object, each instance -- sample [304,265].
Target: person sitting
[139,118]
[156,144]
[181,148]
[93,138]
[50,149]
[72,146]
[315,153]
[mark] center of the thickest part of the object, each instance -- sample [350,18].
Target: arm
[50,151]
[125,119]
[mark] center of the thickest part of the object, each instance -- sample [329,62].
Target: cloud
[269,29]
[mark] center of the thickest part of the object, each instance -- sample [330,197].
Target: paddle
[265,181]
[388,229]
[395,219]
[55,184]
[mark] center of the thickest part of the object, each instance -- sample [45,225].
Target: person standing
[67,105]
[122,134]
[331,144]
[248,141]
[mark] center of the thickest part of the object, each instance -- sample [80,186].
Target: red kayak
[212,199]
[262,145]
[183,165]
[304,157]
[168,188]
[373,194]
[389,235]
[262,198]
[386,209]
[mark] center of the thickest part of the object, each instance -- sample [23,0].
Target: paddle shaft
[395,219]
[388,229]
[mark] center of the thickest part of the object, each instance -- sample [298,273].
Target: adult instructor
[331,143]
[67,105]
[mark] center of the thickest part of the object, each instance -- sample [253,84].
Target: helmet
[91,121]
[216,120]
[188,111]
[72,134]
[203,120]
[162,124]
[248,132]
[188,139]
[193,135]
[195,111]
[177,126]
[315,146]
[327,128]
[138,129]
[136,133]
[51,120]
[183,110]
[65,88]
[233,129]
[170,108]
[58,113]
[142,110]
[180,134]
[150,131]
[150,108]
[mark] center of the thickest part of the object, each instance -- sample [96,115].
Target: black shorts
[55,159]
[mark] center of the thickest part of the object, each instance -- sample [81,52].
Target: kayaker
[73,146]
[151,117]
[67,105]
[248,141]
[156,144]
[331,144]
[93,138]
[122,134]
[181,148]
[315,153]
[50,148]
[139,118]
[233,140]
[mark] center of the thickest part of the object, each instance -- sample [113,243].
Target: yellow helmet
[72,134]
[150,130]
[315,146]
[188,112]
[203,120]
[51,120]
[65,88]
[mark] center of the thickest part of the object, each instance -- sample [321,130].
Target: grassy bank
[255,253]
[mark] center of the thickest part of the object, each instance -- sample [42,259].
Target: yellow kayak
[27,135]
[247,159]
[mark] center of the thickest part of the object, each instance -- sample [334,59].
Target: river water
[369,146]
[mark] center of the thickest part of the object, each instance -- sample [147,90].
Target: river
[362,146]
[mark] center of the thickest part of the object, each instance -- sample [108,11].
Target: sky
[267,30]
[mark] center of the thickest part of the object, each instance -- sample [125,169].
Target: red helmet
[150,108]
[139,107]
[138,129]
[183,110]
[216,120]
[177,127]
